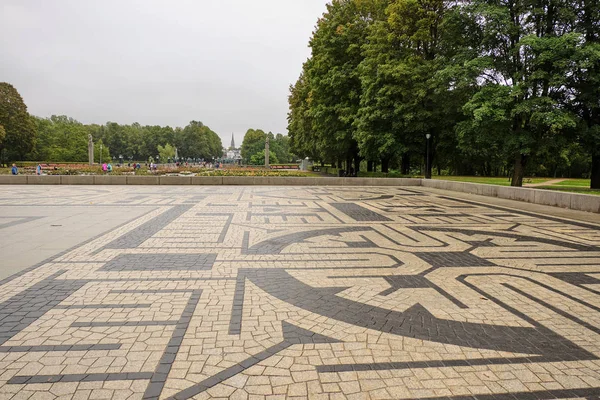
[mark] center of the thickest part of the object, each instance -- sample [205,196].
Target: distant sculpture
[267,153]
[91,149]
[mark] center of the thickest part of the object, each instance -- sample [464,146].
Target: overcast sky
[227,63]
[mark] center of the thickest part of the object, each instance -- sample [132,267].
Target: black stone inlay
[517,237]
[453,259]
[94,324]
[365,244]
[157,382]
[61,347]
[291,335]
[416,322]
[21,310]
[92,306]
[161,262]
[555,309]
[576,278]
[150,291]
[277,244]
[427,364]
[225,229]
[398,282]
[359,213]
[148,229]
[235,321]
[122,376]
[533,395]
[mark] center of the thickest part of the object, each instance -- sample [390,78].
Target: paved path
[321,292]
[547,183]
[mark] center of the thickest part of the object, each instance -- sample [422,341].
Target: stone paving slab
[301,292]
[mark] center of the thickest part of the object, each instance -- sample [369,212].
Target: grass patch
[575,183]
[501,181]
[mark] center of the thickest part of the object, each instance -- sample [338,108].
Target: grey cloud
[228,63]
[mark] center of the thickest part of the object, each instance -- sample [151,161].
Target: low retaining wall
[572,201]
[201,180]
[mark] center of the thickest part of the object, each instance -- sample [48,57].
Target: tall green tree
[197,140]
[166,152]
[19,127]
[254,142]
[403,97]
[585,80]
[335,86]
[518,66]
[302,138]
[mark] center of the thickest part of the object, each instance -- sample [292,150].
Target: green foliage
[501,87]
[60,138]
[166,152]
[254,144]
[259,158]
[101,153]
[18,133]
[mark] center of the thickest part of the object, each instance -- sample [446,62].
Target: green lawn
[489,180]
[575,183]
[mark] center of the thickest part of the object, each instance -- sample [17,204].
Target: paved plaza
[293,292]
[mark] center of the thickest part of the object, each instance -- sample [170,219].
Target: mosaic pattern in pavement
[324,293]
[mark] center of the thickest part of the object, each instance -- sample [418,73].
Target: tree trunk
[595,171]
[405,164]
[385,165]
[519,170]
[369,166]
[357,160]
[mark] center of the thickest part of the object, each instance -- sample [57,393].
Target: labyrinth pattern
[307,292]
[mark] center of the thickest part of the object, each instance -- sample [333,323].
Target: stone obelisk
[91,149]
[267,153]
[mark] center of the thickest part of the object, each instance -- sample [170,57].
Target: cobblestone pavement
[323,292]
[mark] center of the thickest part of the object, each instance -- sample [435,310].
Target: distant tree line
[62,139]
[253,148]
[504,87]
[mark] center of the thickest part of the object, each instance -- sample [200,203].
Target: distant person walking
[109,168]
[104,167]
[14,170]
[38,169]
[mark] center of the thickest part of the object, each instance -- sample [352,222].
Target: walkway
[321,292]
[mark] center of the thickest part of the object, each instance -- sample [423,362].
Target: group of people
[15,170]
[107,168]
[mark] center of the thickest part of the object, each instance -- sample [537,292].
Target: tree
[403,98]
[585,81]
[101,152]
[254,141]
[166,152]
[198,141]
[518,66]
[335,86]
[302,139]
[259,158]
[19,128]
